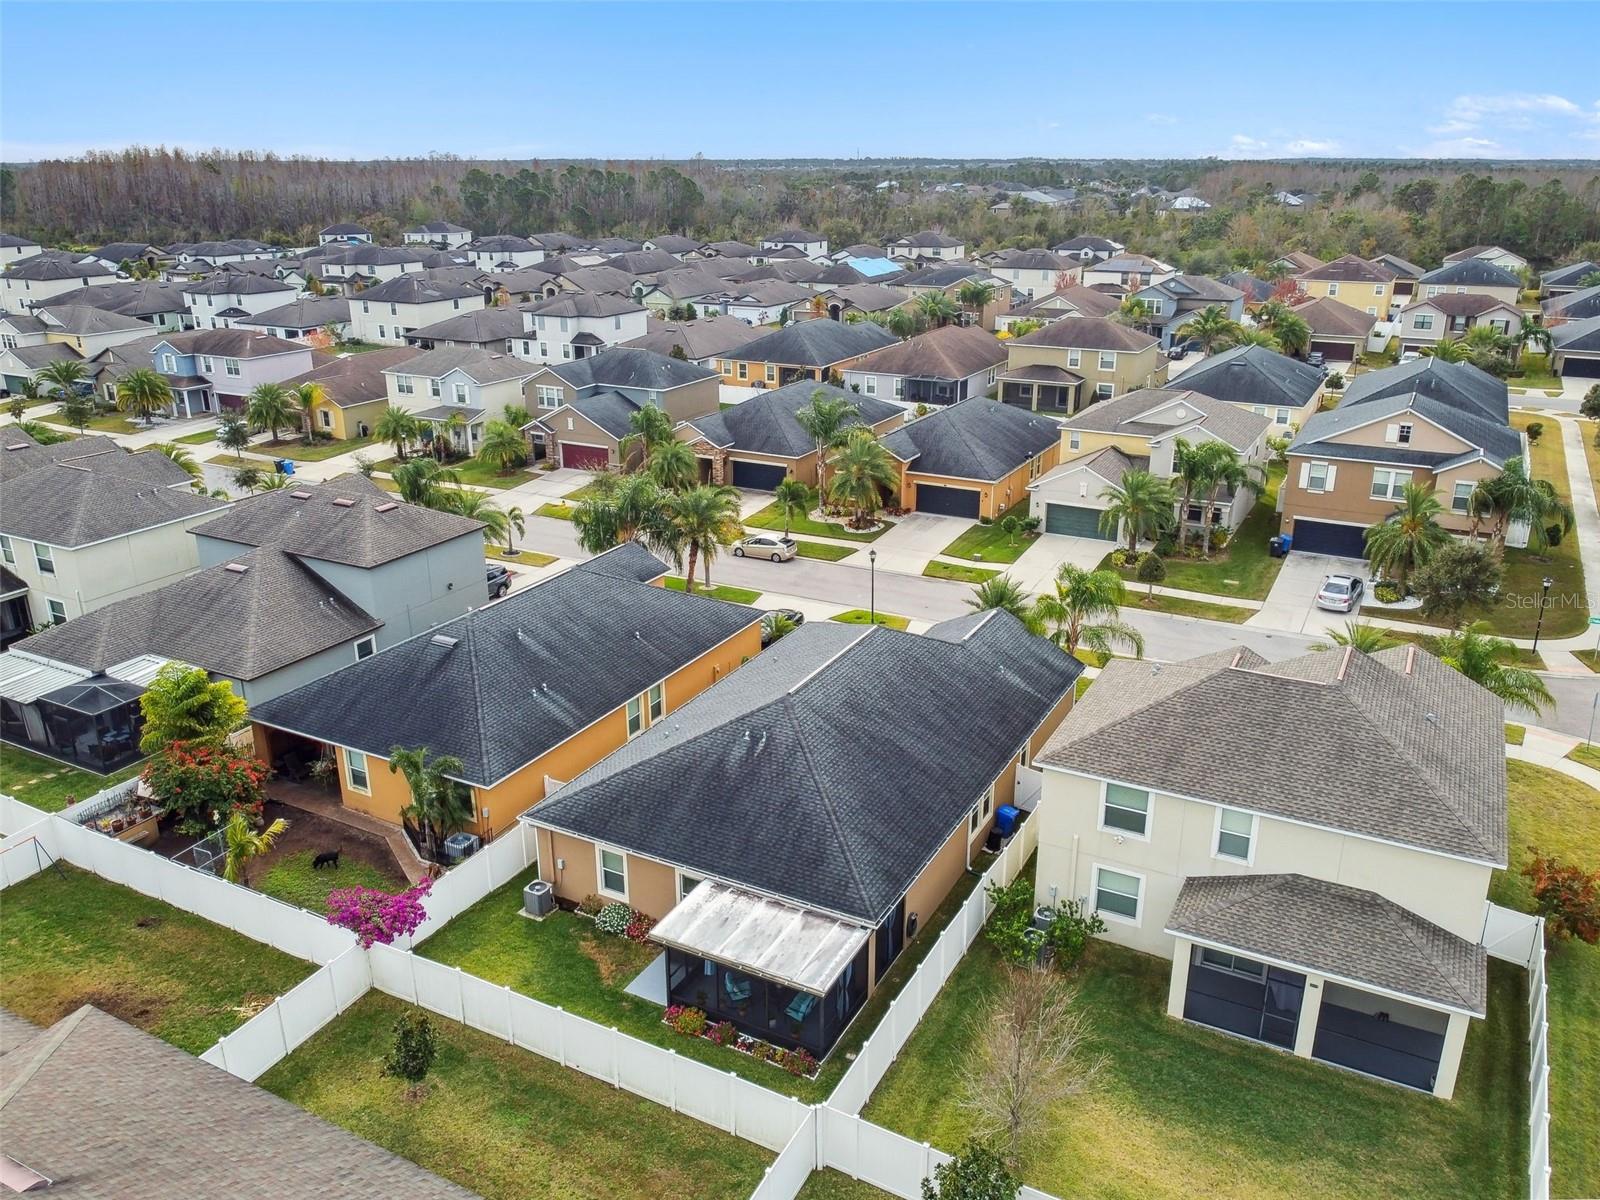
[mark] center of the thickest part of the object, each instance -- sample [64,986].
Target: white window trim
[1216,836]
[1094,896]
[49,603]
[8,552]
[627,716]
[371,640]
[678,876]
[651,715]
[349,778]
[1149,812]
[600,850]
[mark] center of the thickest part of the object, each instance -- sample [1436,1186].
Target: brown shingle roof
[1330,318]
[953,352]
[1088,333]
[1350,268]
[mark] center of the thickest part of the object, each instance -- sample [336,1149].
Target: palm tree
[1407,537]
[862,469]
[269,481]
[65,374]
[936,309]
[1358,635]
[902,322]
[651,427]
[306,396]
[706,518]
[1141,504]
[793,499]
[1224,469]
[1481,658]
[245,844]
[1533,333]
[503,447]
[397,427]
[234,433]
[1292,333]
[181,456]
[627,508]
[826,419]
[422,481]
[516,523]
[1006,594]
[674,466]
[1253,337]
[1082,611]
[142,392]
[1448,350]
[975,295]
[1211,327]
[1189,468]
[271,406]
[477,506]
[439,805]
[1514,495]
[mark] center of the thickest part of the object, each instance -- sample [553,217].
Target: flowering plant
[799,1062]
[204,784]
[722,1033]
[376,916]
[639,927]
[691,1022]
[614,918]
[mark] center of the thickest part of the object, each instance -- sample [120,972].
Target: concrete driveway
[915,538]
[1291,604]
[1036,569]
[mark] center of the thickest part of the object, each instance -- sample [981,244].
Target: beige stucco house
[1078,361]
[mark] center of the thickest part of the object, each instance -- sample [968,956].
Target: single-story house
[1260,379]
[1563,281]
[353,391]
[704,341]
[973,459]
[1338,331]
[805,350]
[941,366]
[1577,349]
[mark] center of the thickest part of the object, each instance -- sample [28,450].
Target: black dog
[328,858]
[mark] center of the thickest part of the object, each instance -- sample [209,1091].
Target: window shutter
[1333,474]
[1391,433]
[1305,476]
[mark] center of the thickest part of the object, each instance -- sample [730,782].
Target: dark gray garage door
[1324,537]
[761,476]
[1581,368]
[947,501]
[1073,520]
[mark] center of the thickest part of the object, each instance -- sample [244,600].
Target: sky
[764,79]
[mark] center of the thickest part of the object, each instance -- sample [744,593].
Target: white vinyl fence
[494,866]
[1519,937]
[275,1032]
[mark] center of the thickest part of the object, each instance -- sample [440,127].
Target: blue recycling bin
[284,466]
[1005,820]
[1278,546]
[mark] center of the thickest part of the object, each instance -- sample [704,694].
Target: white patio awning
[25,679]
[777,941]
[139,670]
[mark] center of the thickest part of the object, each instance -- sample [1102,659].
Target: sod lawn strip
[772,517]
[860,616]
[823,550]
[959,573]
[734,595]
[50,785]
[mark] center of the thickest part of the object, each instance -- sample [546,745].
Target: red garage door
[1336,351]
[584,458]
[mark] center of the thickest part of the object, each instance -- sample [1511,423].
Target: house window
[1219,960]
[1333,289]
[44,559]
[6,551]
[383,332]
[614,872]
[744,370]
[403,385]
[871,385]
[1236,834]
[657,697]
[206,364]
[461,393]
[1116,894]
[1108,360]
[1460,499]
[1074,357]
[772,372]
[635,716]
[355,772]
[434,389]
[1074,440]
[327,418]
[1316,477]
[687,883]
[724,367]
[1104,391]
[563,324]
[899,388]
[366,306]
[1126,809]
[1387,484]
[393,311]
[1402,434]
[230,366]
[366,648]
[566,349]
[544,349]
[169,364]
[549,397]
[1422,322]
[58,611]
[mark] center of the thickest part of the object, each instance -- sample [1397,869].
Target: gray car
[767,545]
[1340,593]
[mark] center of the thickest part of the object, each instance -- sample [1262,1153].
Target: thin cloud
[1160,119]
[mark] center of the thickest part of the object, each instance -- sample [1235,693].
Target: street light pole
[1544,597]
[872,586]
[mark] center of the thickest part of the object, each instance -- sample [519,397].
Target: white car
[1340,593]
[767,545]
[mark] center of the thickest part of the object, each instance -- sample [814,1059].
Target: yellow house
[1367,287]
[527,693]
[974,459]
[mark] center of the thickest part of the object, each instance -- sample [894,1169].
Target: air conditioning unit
[538,899]
[461,845]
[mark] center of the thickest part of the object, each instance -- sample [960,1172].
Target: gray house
[1170,304]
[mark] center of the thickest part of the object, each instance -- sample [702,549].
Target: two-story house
[1425,323]
[1353,281]
[1127,271]
[928,244]
[497,251]
[1474,276]
[1321,894]
[344,233]
[1078,361]
[458,390]
[215,300]
[441,235]
[14,248]
[809,245]
[316,320]
[1506,260]
[26,283]
[583,410]
[941,366]
[1034,273]
[1438,424]
[207,369]
[386,312]
[1073,301]
[1258,378]
[1088,248]
[575,325]
[357,267]
[1563,281]
[162,306]
[1169,304]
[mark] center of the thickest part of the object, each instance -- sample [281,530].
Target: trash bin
[284,466]
[1278,546]
[1006,818]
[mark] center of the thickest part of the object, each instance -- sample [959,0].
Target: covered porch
[463,426]
[784,974]
[1325,972]
[1042,388]
[91,721]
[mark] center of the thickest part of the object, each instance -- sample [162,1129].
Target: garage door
[584,458]
[761,476]
[947,501]
[1073,520]
[1581,368]
[1338,351]
[1325,537]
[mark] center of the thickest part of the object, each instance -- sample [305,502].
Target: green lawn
[51,785]
[79,939]
[1244,569]
[1181,1111]
[860,616]
[1560,816]
[1082,686]
[318,451]
[1515,734]
[355,346]
[1585,754]
[771,517]
[990,543]
[112,422]
[944,570]
[720,591]
[825,551]
[829,1184]
[588,491]
[1516,655]
[292,879]
[1588,658]
[507,1123]
[561,512]
[469,472]
[204,438]
[563,960]
[528,558]
[1179,606]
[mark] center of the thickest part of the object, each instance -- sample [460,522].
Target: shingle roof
[674,243]
[417,288]
[1459,397]
[344,228]
[1085,301]
[583,304]
[236,283]
[1088,333]
[1394,746]
[868,297]
[1331,318]
[975,439]
[788,778]
[1254,375]
[951,352]
[438,227]
[1577,336]
[1255,290]
[36,357]
[817,343]
[793,235]
[133,298]
[689,281]
[1570,274]
[482,366]
[1333,929]
[766,424]
[1471,272]
[501,243]
[1402,268]
[630,560]
[950,274]
[1574,305]
[86,319]
[928,238]
[610,410]
[232,343]
[1197,287]
[1035,260]
[65,1098]
[353,379]
[499,686]
[84,492]
[242,623]
[628,367]
[1110,464]
[1460,304]
[480,326]
[1350,268]
[308,312]
[49,267]
[1127,413]
[601,278]
[704,338]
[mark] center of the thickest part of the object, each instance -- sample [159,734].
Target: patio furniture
[738,991]
[800,1007]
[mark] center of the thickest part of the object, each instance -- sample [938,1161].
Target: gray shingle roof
[68,1091]
[50,267]
[1573,306]
[482,366]
[627,367]
[609,409]
[353,379]
[1334,318]
[1123,414]
[1088,333]
[232,343]
[135,298]
[242,624]
[1570,274]
[975,439]
[501,685]
[1393,746]
[703,338]
[788,778]
[236,283]
[416,288]
[1254,375]
[817,343]
[308,312]
[309,520]
[1350,268]
[766,424]
[1461,304]
[1471,272]
[78,494]
[627,561]
[1577,336]
[480,326]
[1334,929]
[584,304]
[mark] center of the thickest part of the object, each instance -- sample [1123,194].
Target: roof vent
[1181,411]
[237,568]
[443,639]
[344,502]
[301,495]
[1432,718]
[387,506]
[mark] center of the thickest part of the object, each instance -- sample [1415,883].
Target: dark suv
[499,581]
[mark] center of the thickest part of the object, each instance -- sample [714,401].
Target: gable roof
[481,366]
[1477,252]
[132,298]
[1255,290]
[950,352]
[583,304]
[817,343]
[498,687]
[352,379]
[1393,746]
[787,777]
[1333,318]
[1577,336]
[630,367]
[414,287]
[481,325]
[1254,375]
[1088,333]
[706,337]
[1124,414]
[240,283]
[1196,287]
[84,319]
[766,423]
[1349,268]
[1570,274]
[1460,385]
[1471,272]
[868,297]
[307,312]
[232,343]
[1462,304]
[975,439]
[1402,268]
[1574,305]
